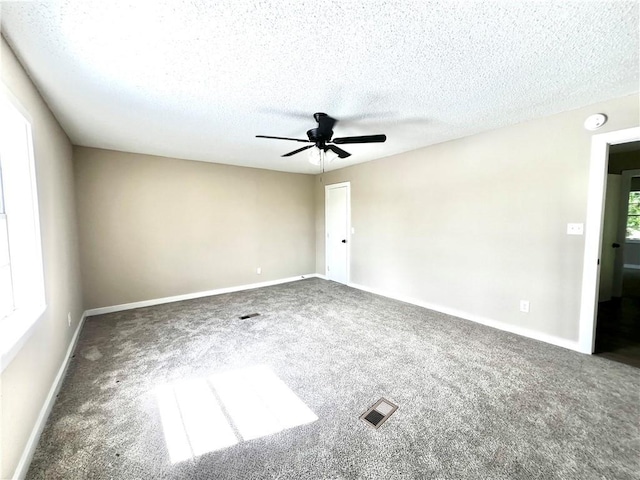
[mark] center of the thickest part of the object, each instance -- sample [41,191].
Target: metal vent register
[379,413]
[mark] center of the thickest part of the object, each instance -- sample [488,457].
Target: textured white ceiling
[199,79]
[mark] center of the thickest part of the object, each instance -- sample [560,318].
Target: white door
[337,215]
[609,237]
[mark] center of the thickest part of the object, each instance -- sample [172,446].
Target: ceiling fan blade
[297,151]
[361,139]
[341,153]
[283,138]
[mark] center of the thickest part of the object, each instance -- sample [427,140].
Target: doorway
[601,145]
[618,317]
[337,228]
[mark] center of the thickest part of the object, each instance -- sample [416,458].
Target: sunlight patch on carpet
[207,414]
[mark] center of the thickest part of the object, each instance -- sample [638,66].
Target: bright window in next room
[6,282]
[21,278]
[633,217]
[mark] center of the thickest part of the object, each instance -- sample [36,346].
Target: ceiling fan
[320,137]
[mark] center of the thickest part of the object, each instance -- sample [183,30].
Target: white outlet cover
[575,228]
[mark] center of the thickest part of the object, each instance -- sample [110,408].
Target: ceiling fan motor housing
[315,135]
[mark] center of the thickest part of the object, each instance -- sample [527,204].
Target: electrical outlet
[524,306]
[69,319]
[575,228]
[259,270]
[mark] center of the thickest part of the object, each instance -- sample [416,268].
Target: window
[633,217]
[21,278]
[6,283]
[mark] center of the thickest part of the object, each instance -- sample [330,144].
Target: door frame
[326,231]
[593,230]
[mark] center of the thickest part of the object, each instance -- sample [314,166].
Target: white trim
[34,438]
[16,330]
[190,296]
[12,101]
[593,230]
[326,244]
[6,91]
[524,332]
[17,327]
[631,266]
[313,275]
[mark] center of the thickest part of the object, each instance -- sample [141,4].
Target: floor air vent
[379,413]
[250,315]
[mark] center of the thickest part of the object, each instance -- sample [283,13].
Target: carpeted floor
[473,402]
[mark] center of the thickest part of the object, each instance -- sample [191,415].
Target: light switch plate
[575,228]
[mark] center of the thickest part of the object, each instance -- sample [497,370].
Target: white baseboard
[525,332]
[32,443]
[190,296]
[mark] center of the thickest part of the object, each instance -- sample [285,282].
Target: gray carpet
[473,402]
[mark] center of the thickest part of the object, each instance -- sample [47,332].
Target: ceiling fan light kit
[321,138]
[318,157]
[315,156]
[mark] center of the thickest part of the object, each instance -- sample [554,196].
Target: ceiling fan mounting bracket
[317,115]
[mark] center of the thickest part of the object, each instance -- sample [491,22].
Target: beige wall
[152,227]
[25,383]
[478,224]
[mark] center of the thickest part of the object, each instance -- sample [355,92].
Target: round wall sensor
[595,121]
